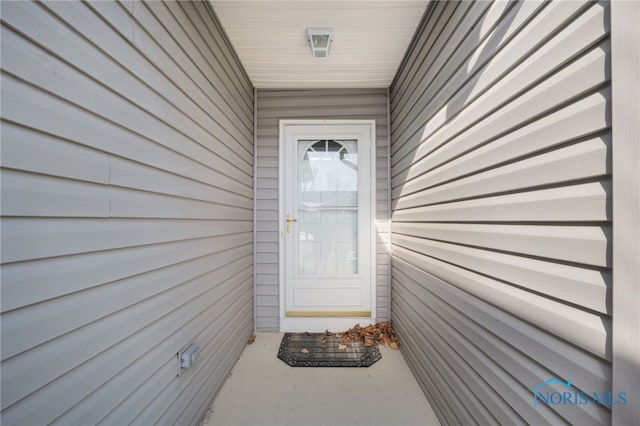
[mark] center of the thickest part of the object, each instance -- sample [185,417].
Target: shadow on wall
[447,96]
[492,89]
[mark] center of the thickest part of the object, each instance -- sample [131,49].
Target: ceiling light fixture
[320,41]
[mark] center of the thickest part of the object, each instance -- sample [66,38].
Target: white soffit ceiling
[369,40]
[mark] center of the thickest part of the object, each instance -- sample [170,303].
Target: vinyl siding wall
[127,163]
[274,105]
[501,208]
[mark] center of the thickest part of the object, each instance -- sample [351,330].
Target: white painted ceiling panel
[369,40]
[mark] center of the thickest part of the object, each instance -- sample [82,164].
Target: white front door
[327,246]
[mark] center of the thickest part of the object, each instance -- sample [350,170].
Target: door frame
[315,324]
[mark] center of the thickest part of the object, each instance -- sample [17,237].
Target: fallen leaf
[369,340]
[371,335]
[342,346]
[251,339]
[304,351]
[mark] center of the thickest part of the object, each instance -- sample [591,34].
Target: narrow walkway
[263,390]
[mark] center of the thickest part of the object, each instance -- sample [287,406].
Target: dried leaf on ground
[342,347]
[378,334]
[304,351]
[251,339]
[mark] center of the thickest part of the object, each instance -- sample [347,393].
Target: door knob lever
[289,220]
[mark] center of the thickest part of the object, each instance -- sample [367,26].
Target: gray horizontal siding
[127,182]
[274,105]
[501,199]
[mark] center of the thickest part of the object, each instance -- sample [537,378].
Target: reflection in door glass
[327,207]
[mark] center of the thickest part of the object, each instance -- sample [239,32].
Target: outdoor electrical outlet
[188,356]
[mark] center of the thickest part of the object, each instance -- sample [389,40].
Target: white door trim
[332,323]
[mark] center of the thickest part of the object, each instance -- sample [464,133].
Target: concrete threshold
[263,390]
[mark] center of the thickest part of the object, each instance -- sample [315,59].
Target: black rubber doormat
[321,350]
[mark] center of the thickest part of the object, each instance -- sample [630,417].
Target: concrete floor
[263,390]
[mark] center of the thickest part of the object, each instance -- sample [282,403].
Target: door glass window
[327,207]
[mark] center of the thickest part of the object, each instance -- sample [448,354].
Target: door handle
[289,220]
